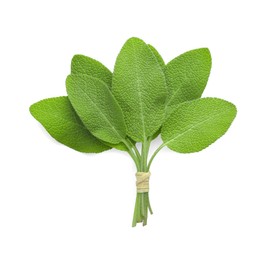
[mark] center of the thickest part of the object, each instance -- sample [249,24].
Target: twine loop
[142,182]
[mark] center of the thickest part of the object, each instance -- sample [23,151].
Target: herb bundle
[141,99]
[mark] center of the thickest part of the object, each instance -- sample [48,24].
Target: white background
[56,203]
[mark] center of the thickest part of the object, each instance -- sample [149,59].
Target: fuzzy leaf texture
[196,124]
[61,121]
[187,76]
[96,107]
[140,89]
[81,64]
[157,56]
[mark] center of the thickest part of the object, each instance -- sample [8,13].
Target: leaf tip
[134,40]
[77,58]
[207,52]
[33,109]
[69,80]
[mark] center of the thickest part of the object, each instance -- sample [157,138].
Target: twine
[142,182]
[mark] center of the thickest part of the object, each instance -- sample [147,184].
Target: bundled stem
[142,205]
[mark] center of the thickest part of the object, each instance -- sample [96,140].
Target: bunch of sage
[141,99]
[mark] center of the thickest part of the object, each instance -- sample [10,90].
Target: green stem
[149,205]
[135,149]
[142,205]
[155,153]
[133,155]
[144,154]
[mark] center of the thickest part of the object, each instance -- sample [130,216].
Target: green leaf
[156,134]
[61,121]
[140,89]
[81,64]
[196,124]
[162,64]
[96,107]
[187,76]
[84,65]
[120,146]
[157,55]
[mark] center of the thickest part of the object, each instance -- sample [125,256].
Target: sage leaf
[140,89]
[81,64]
[85,65]
[156,134]
[187,76]
[120,146]
[162,64]
[196,124]
[157,55]
[96,107]
[61,121]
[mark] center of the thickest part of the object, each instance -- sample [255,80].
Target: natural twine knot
[142,182]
